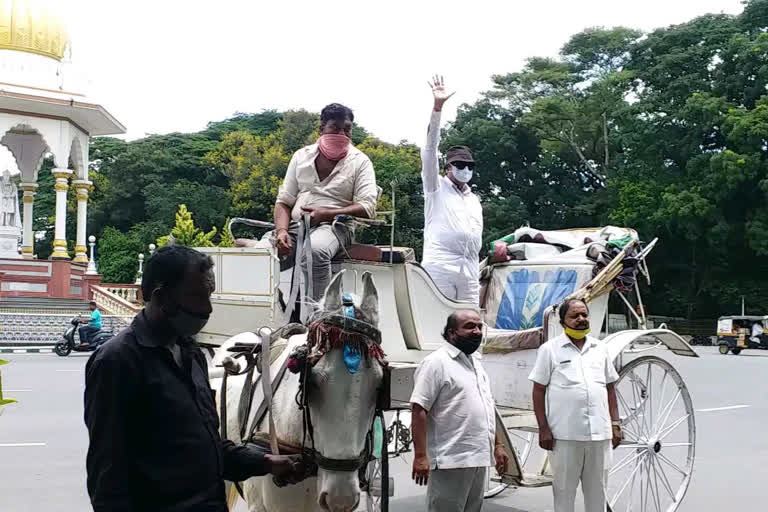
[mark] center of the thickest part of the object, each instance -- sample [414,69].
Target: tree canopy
[666,132]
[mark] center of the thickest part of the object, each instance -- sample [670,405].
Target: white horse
[342,406]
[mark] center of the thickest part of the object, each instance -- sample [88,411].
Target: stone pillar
[28,239]
[82,187]
[60,236]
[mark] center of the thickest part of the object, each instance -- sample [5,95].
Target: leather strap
[262,409]
[266,383]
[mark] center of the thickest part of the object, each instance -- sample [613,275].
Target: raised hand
[439,92]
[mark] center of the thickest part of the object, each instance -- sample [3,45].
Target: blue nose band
[352,356]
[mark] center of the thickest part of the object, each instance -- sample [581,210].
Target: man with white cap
[453,216]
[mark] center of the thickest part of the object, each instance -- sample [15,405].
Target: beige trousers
[456,490]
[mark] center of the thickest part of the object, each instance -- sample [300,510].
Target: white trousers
[454,284]
[587,462]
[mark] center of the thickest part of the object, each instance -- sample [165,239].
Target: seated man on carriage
[325,179]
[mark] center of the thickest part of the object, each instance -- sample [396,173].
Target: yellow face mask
[576,334]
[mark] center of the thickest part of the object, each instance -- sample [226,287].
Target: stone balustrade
[120,300]
[47,328]
[128,292]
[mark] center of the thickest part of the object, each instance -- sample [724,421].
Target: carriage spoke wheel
[522,442]
[652,466]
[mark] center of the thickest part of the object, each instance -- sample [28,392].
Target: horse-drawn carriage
[522,282]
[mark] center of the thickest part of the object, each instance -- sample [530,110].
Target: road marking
[728,408]
[20,445]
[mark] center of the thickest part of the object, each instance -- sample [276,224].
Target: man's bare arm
[328,214]
[282,216]
[613,408]
[540,409]
[613,404]
[419,435]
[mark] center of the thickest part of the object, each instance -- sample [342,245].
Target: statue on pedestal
[10,217]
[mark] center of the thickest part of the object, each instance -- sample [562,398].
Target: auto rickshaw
[735,333]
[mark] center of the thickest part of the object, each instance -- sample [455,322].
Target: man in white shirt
[453,216]
[454,421]
[575,404]
[325,179]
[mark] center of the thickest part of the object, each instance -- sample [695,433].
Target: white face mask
[463,175]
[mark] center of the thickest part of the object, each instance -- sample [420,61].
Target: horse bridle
[348,322]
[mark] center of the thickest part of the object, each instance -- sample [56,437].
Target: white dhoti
[587,462]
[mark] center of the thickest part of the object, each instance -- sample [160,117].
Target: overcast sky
[174,65]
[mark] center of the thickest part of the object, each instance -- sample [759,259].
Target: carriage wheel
[653,464]
[522,442]
[377,475]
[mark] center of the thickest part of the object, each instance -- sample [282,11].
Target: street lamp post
[92,270]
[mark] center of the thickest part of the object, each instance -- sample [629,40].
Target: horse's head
[342,388]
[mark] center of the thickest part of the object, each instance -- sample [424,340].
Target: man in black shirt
[150,411]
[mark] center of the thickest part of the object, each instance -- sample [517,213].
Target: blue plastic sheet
[527,293]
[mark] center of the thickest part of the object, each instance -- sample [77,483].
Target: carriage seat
[503,341]
[362,252]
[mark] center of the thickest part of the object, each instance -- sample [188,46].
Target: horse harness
[327,332]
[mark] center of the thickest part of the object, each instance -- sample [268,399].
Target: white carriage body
[518,299]
[518,296]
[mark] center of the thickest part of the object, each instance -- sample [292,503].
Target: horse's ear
[332,298]
[369,304]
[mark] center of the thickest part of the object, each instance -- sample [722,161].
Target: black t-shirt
[154,430]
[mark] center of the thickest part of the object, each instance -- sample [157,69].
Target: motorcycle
[67,345]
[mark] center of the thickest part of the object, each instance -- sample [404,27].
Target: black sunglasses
[461,165]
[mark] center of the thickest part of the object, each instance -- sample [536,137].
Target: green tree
[227,240]
[185,232]
[117,256]
[255,167]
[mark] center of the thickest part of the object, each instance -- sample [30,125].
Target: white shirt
[352,181]
[461,421]
[577,398]
[453,218]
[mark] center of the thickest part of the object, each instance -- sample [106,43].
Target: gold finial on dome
[29,26]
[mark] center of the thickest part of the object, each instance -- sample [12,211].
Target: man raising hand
[453,216]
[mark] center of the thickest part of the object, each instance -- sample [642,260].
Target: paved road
[46,472]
